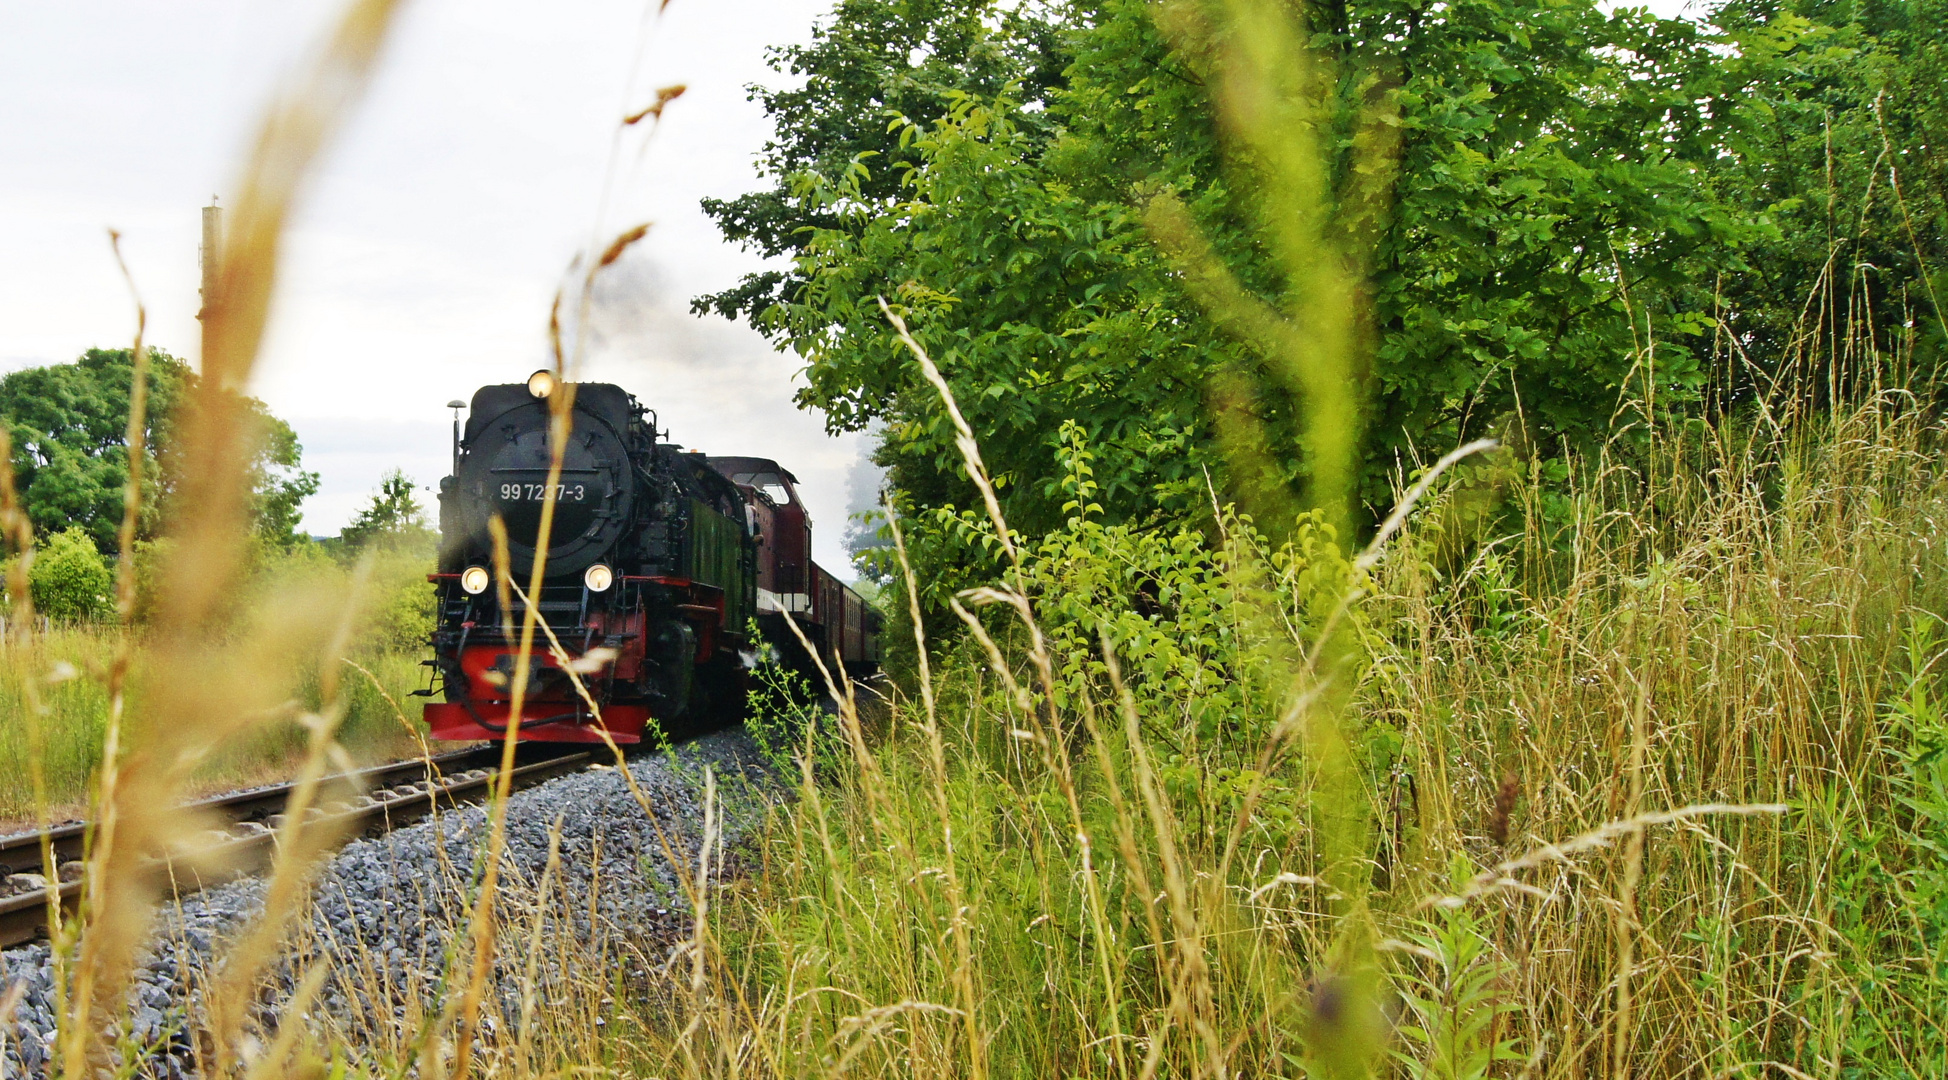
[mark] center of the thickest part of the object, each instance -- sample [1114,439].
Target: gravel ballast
[386,912]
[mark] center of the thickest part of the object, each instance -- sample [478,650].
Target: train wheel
[718,695]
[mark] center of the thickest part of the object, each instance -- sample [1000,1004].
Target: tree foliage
[278,483]
[874,57]
[69,426]
[1593,214]
[1843,141]
[69,580]
[394,518]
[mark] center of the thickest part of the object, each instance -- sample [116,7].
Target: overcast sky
[427,252]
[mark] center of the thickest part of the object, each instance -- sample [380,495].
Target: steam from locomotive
[665,572]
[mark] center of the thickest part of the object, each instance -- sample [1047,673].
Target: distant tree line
[393,519]
[68,426]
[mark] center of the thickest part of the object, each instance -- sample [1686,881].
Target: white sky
[426,254]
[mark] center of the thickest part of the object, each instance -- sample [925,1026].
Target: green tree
[873,59]
[1843,140]
[1564,184]
[69,580]
[1026,264]
[69,424]
[278,483]
[393,519]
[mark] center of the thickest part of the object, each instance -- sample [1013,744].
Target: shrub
[70,581]
[401,603]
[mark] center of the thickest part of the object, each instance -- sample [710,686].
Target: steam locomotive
[668,575]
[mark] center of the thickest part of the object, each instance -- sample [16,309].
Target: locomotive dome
[504,468]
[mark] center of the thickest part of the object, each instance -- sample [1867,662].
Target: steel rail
[392,795]
[20,853]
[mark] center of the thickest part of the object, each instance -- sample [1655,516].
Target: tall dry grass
[1633,772]
[213,677]
[1646,784]
[232,671]
[1639,783]
[64,664]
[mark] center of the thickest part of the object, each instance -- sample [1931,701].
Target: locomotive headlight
[541,383]
[598,578]
[474,580]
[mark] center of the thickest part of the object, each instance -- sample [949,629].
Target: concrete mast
[211,256]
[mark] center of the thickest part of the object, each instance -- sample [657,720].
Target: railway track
[388,796]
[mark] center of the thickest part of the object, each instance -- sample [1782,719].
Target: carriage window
[768,482]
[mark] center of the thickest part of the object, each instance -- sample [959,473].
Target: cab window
[768,482]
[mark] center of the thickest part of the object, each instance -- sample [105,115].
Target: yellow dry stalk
[965,974]
[560,423]
[302,843]
[1048,735]
[208,687]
